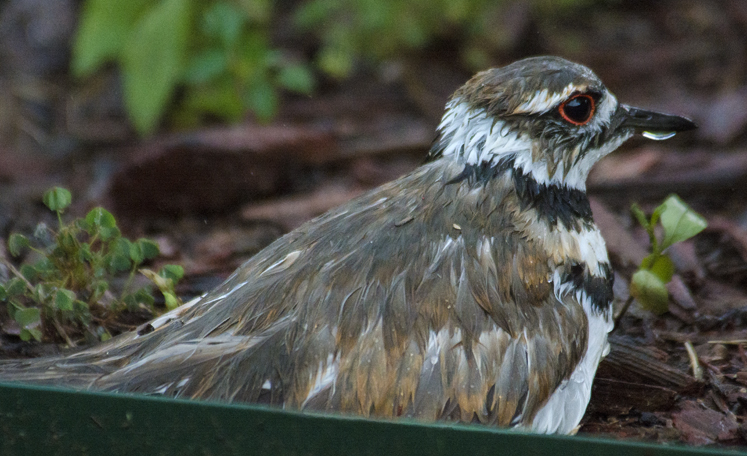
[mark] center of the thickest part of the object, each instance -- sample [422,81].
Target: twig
[728,342]
[694,362]
[622,312]
[62,332]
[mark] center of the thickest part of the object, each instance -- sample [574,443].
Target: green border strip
[49,421]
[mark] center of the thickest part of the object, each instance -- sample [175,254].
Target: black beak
[653,122]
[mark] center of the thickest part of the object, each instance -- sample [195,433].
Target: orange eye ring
[578,110]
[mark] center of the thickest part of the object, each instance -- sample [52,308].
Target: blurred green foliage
[222,55]
[217,50]
[382,29]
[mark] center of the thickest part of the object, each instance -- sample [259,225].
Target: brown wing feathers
[439,316]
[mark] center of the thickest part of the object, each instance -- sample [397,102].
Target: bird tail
[79,370]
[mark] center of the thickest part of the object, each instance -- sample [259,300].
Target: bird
[477,288]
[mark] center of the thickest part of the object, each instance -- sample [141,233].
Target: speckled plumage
[476,288]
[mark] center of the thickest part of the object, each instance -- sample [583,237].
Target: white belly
[566,406]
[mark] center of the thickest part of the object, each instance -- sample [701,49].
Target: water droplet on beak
[657,135]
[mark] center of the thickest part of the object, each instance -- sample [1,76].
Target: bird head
[554,119]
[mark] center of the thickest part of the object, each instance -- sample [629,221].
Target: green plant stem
[39,251]
[59,219]
[128,282]
[18,274]
[652,238]
[624,309]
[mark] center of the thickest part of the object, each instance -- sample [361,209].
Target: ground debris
[700,425]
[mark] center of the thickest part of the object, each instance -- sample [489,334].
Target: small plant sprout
[64,290]
[165,280]
[648,284]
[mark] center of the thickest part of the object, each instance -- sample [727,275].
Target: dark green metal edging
[49,421]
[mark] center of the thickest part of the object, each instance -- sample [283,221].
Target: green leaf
[656,215]
[63,300]
[45,268]
[149,248]
[153,61]
[143,249]
[27,316]
[173,272]
[144,296]
[57,198]
[136,253]
[101,220]
[262,98]
[82,312]
[296,78]
[258,11]
[84,252]
[170,300]
[130,302]
[118,258]
[99,269]
[83,225]
[663,268]
[108,234]
[29,272]
[679,221]
[80,306]
[309,15]
[223,21]
[41,292]
[31,333]
[650,291]
[119,263]
[100,217]
[639,215]
[219,98]
[15,287]
[140,297]
[99,288]
[16,243]
[336,62]
[3,293]
[163,283]
[206,66]
[103,27]
[67,242]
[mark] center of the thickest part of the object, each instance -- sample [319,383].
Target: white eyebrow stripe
[543,101]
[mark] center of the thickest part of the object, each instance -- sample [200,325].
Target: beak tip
[652,121]
[686,124]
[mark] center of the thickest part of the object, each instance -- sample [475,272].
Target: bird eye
[578,109]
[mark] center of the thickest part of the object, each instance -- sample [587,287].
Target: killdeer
[477,288]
